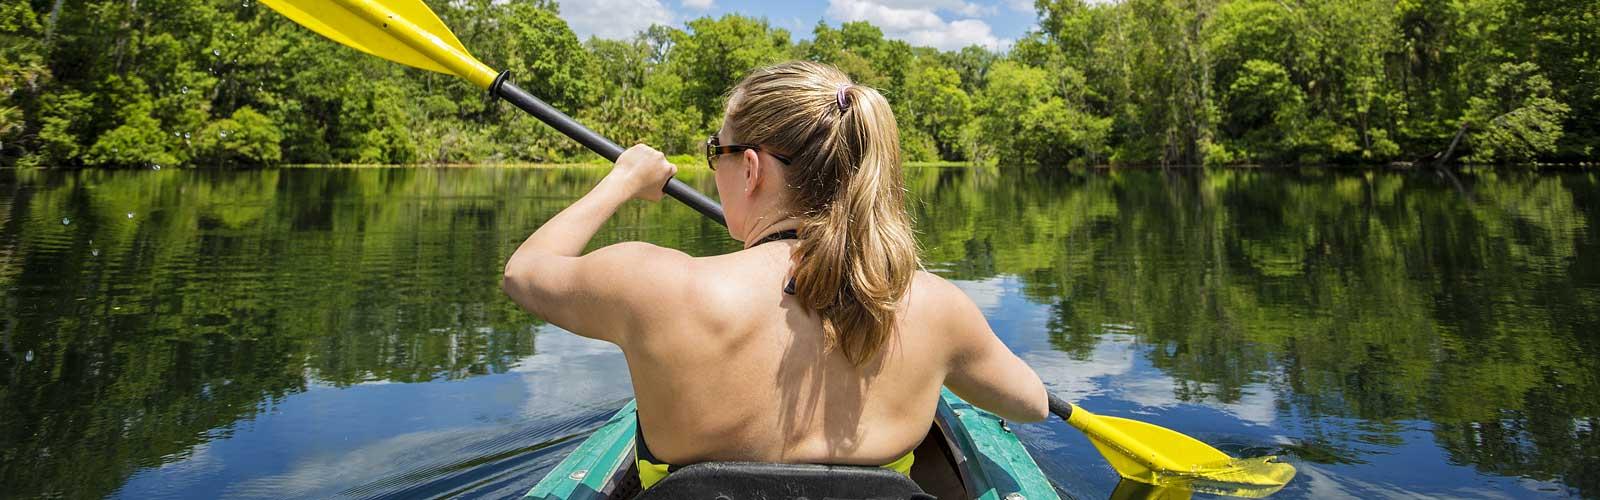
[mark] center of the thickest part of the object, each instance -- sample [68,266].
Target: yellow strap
[650,474]
[903,464]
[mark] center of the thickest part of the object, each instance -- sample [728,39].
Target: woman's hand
[641,172]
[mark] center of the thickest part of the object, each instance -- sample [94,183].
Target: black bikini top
[787,234]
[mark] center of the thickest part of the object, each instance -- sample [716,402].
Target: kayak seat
[767,481]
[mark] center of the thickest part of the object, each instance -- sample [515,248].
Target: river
[317,332]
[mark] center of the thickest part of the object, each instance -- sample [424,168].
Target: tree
[716,53]
[1262,112]
[22,67]
[1515,118]
[1182,81]
[933,105]
[1023,120]
[972,64]
[247,137]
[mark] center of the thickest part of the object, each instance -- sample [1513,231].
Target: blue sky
[945,24]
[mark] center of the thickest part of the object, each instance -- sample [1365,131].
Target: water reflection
[1333,307]
[1393,333]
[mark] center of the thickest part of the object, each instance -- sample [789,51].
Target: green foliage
[139,140]
[1023,118]
[1263,110]
[536,45]
[1515,118]
[1302,81]
[972,63]
[1136,82]
[247,137]
[22,67]
[716,53]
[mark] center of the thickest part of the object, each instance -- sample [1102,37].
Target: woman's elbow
[515,282]
[1031,409]
[1038,408]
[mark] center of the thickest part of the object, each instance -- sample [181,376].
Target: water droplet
[28,357]
[65,221]
[184,90]
[216,53]
[130,215]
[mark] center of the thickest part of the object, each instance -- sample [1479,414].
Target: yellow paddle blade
[1240,477]
[1158,456]
[403,31]
[1119,448]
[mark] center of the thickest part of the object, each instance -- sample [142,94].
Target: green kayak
[969,453]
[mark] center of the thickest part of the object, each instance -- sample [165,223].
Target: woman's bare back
[740,371]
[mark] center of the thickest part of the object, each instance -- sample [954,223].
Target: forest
[151,83]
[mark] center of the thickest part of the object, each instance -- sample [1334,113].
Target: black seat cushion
[764,481]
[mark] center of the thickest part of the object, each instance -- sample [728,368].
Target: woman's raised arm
[595,295]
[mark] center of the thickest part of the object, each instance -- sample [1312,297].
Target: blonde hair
[857,253]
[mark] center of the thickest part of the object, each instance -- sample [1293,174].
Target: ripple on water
[432,464]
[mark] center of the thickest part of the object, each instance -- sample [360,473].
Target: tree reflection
[175,304]
[1374,295]
[162,308]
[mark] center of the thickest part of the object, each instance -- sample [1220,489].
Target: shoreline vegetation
[1123,84]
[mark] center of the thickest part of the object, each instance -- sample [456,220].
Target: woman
[820,341]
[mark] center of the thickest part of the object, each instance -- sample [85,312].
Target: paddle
[1159,456]
[407,32]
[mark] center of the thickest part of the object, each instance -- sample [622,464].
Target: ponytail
[857,253]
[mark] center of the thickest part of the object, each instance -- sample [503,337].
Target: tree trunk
[50,24]
[1443,160]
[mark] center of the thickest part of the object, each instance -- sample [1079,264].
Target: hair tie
[840,97]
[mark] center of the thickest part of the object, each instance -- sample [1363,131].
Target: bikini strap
[787,234]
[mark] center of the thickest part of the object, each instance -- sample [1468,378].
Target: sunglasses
[713,150]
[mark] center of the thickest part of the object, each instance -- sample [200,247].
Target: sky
[943,24]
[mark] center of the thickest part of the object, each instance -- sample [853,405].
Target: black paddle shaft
[553,117]
[1059,407]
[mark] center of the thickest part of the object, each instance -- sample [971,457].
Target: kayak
[968,453]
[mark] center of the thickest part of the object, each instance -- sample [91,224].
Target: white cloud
[698,4]
[617,18]
[571,372]
[919,22]
[1078,379]
[956,6]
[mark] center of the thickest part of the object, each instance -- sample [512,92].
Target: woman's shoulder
[932,301]
[648,272]
[933,290]
[641,253]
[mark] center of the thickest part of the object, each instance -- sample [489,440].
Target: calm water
[334,332]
